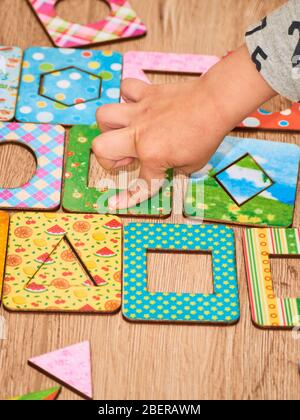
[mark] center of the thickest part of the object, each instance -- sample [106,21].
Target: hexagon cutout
[55,86]
[67,86]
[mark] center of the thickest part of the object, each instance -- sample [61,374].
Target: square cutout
[63,263]
[122,22]
[287,280]
[99,176]
[243,180]
[79,197]
[185,279]
[269,310]
[67,86]
[10,69]
[213,195]
[141,305]
[46,142]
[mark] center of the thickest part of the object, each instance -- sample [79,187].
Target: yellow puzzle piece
[4,223]
[63,263]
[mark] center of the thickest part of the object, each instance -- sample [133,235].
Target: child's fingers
[149,183]
[114,149]
[115,116]
[134,90]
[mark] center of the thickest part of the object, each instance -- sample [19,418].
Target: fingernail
[113,202]
[123,200]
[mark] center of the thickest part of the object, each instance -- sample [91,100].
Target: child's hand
[177,125]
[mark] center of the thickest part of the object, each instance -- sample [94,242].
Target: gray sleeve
[274,46]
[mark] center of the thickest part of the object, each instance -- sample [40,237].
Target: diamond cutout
[70,86]
[244,180]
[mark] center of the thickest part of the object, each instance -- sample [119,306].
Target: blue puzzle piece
[67,86]
[141,305]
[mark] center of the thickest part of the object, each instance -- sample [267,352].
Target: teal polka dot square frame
[67,86]
[221,307]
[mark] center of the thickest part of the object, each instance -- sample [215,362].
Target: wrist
[236,89]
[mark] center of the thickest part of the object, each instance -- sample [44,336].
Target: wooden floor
[134,361]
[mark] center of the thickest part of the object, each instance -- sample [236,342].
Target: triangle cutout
[70,366]
[46,395]
[62,268]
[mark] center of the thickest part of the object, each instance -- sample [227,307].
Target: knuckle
[97,147]
[102,114]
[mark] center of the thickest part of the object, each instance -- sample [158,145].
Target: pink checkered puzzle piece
[43,190]
[122,22]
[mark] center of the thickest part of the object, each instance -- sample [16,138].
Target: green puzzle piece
[80,198]
[48,394]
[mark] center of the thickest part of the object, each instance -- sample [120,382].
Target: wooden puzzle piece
[122,22]
[136,63]
[46,142]
[247,182]
[79,197]
[256,178]
[47,395]
[67,86]
[63,263]
[4,223]
[10,68]
[141,305]
[61,269]
[71,366]
[286,120]
[268,310]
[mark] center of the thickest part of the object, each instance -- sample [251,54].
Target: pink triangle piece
[70,366]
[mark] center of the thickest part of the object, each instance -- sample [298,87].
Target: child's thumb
[148,184]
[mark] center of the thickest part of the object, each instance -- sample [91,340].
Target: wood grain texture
[134,361]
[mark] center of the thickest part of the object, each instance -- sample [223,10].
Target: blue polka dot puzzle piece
[67,86]
[221,307]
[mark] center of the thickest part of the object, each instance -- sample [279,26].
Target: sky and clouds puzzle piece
[46,142]
[10,68]
[79,197]
[269,310]
[46,395]
[67,86]
[70,366]
[245,169]
[63,263]
[4,223]
[247,182]
[122,22]
[221,307]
